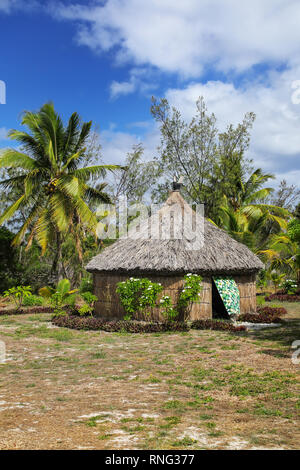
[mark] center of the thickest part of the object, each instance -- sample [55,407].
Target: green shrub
[289,286]
[92,323]
[61,295]
[222,325]
[32,300]
[18,294]
[88,307]
[260,300]
[168,310]
[138,295]
[190,292]
[86,285]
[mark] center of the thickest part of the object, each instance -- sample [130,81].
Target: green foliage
[8,259]
[89,298]
[61,295]
[32,300]
[86,284]
[294,230]
[276,278]
[88,307]
[262,279]
[18,294]
[190,292]
[94,323]
[139,177]
[213,163]
[169,312]
[59,312]
[289,286]
[51,186]
[85,310]
[260,300]
[297,212]
[46,292]
[137,295]
[252,223]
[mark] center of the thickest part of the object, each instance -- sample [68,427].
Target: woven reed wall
[247,288]
[108,305]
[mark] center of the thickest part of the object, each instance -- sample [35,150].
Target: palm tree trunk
[57,268]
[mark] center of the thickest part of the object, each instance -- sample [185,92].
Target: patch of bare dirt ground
[65,389]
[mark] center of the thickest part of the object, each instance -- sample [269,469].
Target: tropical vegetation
[52,180]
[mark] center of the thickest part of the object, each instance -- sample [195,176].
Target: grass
[68,389]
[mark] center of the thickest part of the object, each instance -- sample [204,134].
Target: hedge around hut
[93,323]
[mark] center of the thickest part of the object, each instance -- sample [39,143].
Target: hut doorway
[218,307]
[225,297]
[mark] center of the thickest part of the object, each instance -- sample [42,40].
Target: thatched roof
[150,249]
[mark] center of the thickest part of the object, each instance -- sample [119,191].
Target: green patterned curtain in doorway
[229,293]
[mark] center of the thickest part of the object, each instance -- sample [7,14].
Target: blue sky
[105,59]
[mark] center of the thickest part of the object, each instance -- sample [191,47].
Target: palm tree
[252,224]
[251,191]
[56,190]
[283,255]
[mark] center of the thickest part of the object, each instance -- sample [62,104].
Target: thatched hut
[160,250]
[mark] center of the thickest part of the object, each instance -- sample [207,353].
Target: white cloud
[190,37]
[275,138]
[7,6]
[275,142]
[121,88]
[185,37]
[116,144]
[141,79]
[3,133]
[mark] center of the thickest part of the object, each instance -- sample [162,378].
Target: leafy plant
[32,300]
[62,295]
[89,298]
[259,318]
[88,307]
[260,300]
[272,310]
[46,292]
[138,295]
[276,278]
[168,310]
[85,310]
[54,175]
[221,325]
[289,286]
[283,298]
[141,294]
[18,294]
[86,285]
[93,323]
[191,291]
